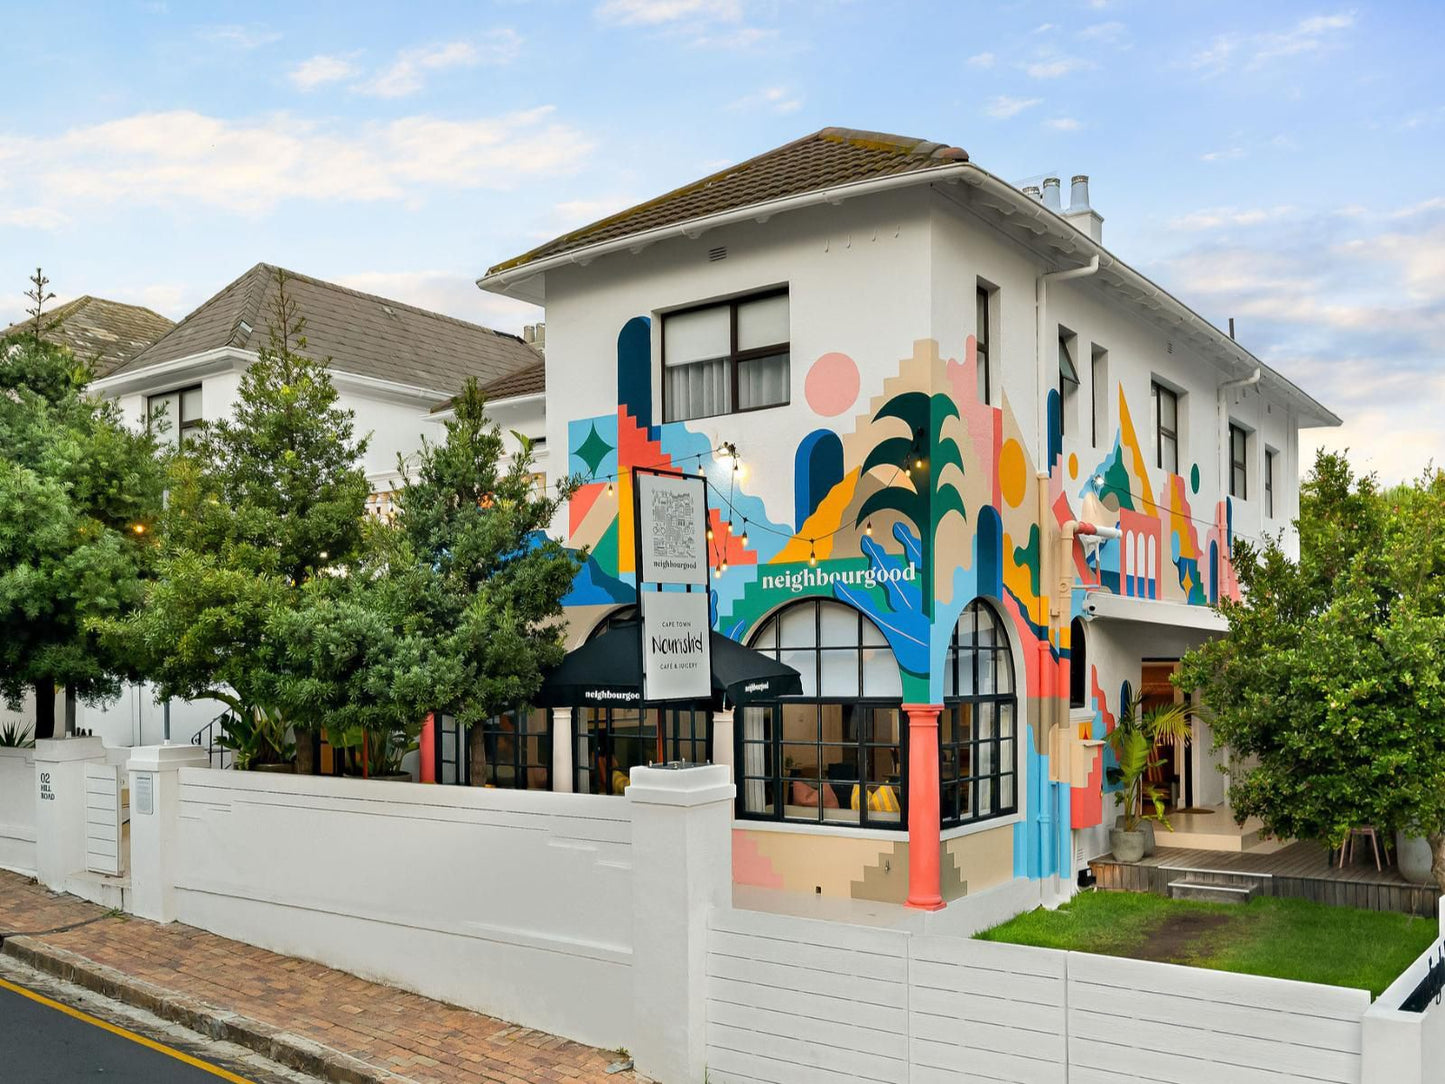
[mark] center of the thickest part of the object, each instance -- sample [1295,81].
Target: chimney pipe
[1079,192]
[1231,327]
[1032,191]
[1052,194]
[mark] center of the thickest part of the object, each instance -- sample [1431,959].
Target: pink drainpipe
[428,749]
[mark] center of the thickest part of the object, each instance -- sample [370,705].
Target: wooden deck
[1301,870]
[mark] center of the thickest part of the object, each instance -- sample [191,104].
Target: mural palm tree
[916,491]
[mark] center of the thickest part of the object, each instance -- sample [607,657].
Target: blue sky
[1278,162]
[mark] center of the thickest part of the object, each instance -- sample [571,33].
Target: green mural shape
[925,503]
[1116,481]
[593,450]
[1028,556]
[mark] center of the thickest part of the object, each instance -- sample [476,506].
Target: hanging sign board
[672,528]
[676,646]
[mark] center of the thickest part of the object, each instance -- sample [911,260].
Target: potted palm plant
[1135,742]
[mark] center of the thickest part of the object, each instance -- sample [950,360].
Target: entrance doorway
[1174,776]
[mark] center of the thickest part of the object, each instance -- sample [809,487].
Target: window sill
[842,831]
[959,831]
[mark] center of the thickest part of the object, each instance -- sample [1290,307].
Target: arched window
[978,730]
[837,753]
[609,742]
[1078,665]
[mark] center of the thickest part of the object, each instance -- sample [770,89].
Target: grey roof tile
[101,332]
[360,333]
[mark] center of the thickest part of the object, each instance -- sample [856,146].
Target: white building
[974,449]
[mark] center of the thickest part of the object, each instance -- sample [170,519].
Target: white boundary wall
[514,903]
[1407,1047]
[802,1001]
[17,810]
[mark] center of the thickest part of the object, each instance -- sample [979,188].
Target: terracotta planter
[1415,858]
[1127,846]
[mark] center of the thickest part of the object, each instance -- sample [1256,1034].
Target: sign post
[671,516]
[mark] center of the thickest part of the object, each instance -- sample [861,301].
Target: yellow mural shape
[1012,474]
[1128,438]
[819,529]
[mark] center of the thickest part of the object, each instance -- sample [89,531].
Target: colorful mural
[909,499]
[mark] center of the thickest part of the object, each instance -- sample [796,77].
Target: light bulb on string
[744,539]
[709,533]
[868,528]
[724,566]
[812,553]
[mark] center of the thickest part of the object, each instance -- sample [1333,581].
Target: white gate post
[681,870]
[155,798]
[60,806]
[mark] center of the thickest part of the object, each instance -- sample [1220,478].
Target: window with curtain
[978,730]
[1164,404]
[1238,462]
[725,358]
[1068,380]
[836,754]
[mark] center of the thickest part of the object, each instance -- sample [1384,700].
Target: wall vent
[716,254]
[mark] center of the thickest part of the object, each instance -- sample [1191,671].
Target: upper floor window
[1238,462]
[720,359]
[1166,428]
[1068,379]
[1269,457]
[175,417]
[1099,395]
[983,339]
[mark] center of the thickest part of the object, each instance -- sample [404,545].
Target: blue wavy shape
[902,621]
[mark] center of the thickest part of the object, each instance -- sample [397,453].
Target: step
[1226,878]
[1212,893]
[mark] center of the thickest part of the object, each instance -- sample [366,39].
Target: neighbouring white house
[986,485]
[392,364]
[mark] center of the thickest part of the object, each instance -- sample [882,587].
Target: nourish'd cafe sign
[671,541]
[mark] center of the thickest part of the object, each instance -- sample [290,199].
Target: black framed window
[1068,378]
[1098,395]
[726,358]
[1238,462]
[518,746]
[1165,403]
[978,730]
[838,753]
[175,416]
[983,340]
[1269,482]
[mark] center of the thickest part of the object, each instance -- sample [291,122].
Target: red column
[427,747]
[923,810]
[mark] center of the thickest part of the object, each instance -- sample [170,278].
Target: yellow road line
[215,1070]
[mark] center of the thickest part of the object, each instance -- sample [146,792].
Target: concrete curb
[290,1050]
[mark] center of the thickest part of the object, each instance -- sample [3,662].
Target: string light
[868,528]
[812,553]
[724,566]
[744,539]
[609,488]
[717,573]
[709,532]
[139,528]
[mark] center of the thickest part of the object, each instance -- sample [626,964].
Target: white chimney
[1032,191]
[1052,196]
[1082,216]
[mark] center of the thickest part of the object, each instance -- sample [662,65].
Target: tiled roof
[829,157]
[529,381]
[360,333]
[101,332]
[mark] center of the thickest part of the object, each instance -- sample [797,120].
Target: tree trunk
[477,755]
[1437,867]
[305,752]
[44,709]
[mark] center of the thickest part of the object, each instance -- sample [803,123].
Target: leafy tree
[79,492]
[1329,687]
[492,585]
[258,505]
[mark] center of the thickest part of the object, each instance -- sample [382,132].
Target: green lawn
[1283,938]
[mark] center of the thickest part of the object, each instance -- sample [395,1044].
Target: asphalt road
[42,1044]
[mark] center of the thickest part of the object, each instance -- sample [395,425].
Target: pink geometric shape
[750,865]
[832,384]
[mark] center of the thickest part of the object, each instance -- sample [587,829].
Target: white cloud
[775,99]
[1056,67]
[1227,154]
[1001,106]
[320,70]
[1064,124]
[406,74]
[1212,218]
[251,36]
[981,60]
[1311,35]
[34,218]
[661,12]
[250,166]
[1110,33]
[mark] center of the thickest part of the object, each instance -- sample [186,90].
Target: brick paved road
[416,1038]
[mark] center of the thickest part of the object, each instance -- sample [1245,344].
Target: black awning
[606,672]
